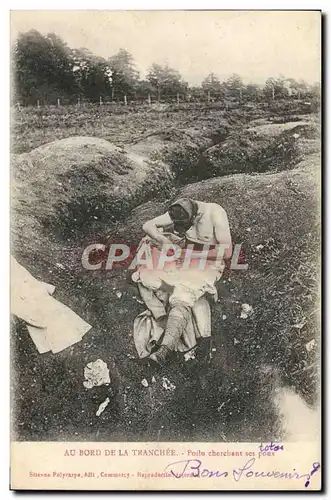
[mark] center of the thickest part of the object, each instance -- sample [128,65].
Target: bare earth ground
[264,170]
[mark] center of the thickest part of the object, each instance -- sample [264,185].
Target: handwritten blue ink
[195,468]
[271,447]
[187,466]
[316,466]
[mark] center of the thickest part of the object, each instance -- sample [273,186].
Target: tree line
[45,68]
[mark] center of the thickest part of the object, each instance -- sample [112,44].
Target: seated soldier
[199,226]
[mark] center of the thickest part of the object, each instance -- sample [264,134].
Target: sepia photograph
[166,229]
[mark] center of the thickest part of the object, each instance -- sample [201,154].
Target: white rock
[224,316]
[235,341]
[119,294]
[144,382]
[259,247]
[61,266]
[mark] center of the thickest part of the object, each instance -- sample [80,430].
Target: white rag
[51,324]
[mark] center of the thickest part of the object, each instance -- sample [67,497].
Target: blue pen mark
[271,447]
[316,466]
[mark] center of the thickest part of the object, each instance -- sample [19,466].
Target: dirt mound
[77,185]
[183,149]
[164,139]
[231,147]
[261,149]
[273,129]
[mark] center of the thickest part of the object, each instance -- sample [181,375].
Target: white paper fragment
[189,355]
[310,345]
[259,247]
[102,407]
[224,316]
[235,341]
[144,382]
[61,266]
[166,384]
[299,326]
[96,373]
[246,310]
[118,294]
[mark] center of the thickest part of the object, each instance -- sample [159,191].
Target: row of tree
[45,68]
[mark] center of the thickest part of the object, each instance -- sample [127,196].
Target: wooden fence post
[58,103]
[38,104]
[208,95]
[177,98]
[125,101]
[78,101]
[100,101]
[149,99]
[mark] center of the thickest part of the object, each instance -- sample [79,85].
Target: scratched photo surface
[115,116]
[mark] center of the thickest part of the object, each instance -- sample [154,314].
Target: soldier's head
[183,213]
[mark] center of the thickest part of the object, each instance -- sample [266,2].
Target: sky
[253,44]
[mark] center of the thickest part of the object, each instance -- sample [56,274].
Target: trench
[217,403]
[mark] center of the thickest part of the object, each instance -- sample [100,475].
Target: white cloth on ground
[52,325]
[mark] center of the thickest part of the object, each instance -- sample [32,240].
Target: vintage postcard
[166,250]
